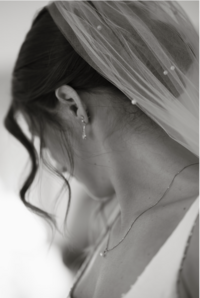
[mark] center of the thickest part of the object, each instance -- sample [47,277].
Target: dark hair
[46,61]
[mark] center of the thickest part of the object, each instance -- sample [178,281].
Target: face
[90,163]
[91,157]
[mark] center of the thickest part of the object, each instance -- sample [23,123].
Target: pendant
[103,254]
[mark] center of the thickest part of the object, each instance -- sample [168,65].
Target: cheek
[88,171]
[53,144]
[57,156]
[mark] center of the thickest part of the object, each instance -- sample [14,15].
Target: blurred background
[32,264]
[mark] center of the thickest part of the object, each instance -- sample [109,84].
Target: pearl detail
[99,27]
[172,67]
[133,101]
[103,254]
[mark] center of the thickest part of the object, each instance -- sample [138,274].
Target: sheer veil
[122,40]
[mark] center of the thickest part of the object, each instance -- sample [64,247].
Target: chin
[97,188]
[99,194]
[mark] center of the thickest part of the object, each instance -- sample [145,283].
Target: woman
[111,89]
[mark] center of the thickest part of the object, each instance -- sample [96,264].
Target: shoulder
[190,273]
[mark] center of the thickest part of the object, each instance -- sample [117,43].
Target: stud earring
[84,128]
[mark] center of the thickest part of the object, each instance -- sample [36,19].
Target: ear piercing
[84,128]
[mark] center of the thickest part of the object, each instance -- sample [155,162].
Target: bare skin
[135,168]
[113,275]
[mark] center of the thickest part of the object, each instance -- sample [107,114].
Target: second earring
[84,136]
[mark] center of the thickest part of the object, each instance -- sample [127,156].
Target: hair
[46,61]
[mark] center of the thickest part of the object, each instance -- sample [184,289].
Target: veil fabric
[122,40]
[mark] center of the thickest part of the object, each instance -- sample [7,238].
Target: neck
[143,169]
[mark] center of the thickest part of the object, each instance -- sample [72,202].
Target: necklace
[104,253]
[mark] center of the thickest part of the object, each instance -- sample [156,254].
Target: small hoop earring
[84,136]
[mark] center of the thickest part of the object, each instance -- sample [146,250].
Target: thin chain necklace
[104,253]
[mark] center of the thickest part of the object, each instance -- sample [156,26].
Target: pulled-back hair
[46,61]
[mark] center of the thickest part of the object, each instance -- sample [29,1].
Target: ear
[70,98]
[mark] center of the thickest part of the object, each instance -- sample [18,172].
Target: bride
[111,89]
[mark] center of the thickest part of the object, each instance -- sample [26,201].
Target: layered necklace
[107,250]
